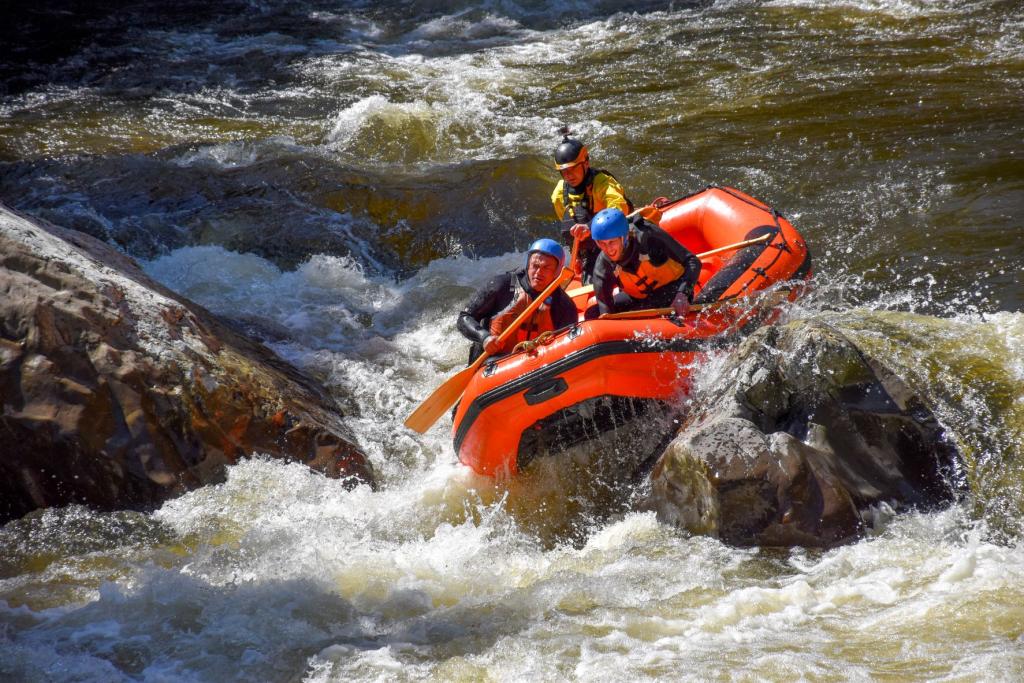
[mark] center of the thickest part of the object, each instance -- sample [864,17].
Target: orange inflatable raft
[589,378]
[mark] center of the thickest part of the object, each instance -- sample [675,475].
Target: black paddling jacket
[475,319]
[653,261]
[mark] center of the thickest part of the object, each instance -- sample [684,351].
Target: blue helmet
[609,224]
[549,247]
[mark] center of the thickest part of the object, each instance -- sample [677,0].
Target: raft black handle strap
[545,391]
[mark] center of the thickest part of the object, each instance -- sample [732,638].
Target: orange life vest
[648,277]
[536,324]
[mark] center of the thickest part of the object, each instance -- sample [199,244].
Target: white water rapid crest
[337,178]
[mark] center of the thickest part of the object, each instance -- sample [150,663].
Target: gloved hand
[491,345]
[680,305]
[577,267]
[505,318]
[581,230]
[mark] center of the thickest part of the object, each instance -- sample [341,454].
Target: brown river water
[344,174]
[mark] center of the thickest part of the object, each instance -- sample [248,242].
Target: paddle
[589,289]
[655,312]
[737,245]
[645,313]
[445,396]
[772,300]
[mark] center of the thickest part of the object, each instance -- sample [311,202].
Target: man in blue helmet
[651,269]
[502,299]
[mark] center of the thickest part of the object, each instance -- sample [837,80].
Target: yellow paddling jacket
[600,191]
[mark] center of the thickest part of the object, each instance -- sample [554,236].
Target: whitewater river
[339,177]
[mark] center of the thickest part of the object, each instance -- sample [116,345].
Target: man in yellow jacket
[580,194]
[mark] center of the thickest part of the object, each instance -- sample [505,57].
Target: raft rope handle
[530,345]
[763,271]
[778,232]
[772,211]
[732,192]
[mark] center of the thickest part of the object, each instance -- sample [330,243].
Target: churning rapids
[340,176]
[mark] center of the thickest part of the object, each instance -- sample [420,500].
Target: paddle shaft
[589,289]
[644,313]
[745,243]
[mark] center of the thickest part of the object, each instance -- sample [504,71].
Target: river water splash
[339,177]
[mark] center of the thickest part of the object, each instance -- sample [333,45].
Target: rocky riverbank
[117,393]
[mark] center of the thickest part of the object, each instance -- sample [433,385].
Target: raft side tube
[526,404]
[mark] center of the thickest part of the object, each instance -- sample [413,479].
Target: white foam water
[281,574]
[280,571]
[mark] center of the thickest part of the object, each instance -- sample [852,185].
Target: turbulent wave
[338,177]
[352,328]
[277,572]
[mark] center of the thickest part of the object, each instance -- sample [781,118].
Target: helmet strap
[627,245]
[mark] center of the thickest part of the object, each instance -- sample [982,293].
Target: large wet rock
[117,393]
[803,441]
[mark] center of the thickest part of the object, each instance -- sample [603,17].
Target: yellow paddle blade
[443,398]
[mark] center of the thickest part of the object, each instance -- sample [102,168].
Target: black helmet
[569,152]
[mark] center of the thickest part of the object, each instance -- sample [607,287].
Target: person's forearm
[686,288]
[603,288]
[691,276]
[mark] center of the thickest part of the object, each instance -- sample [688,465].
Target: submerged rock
[806,436]
[117,393]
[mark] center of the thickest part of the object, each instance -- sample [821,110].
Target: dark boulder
[117,393]
[802,441]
